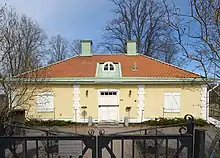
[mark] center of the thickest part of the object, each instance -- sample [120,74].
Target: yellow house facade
[108,88]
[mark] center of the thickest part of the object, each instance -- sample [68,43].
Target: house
[109,87]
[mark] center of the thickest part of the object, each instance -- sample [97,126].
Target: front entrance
[108,113]
[108,105]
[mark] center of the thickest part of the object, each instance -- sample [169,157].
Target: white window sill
[43,111]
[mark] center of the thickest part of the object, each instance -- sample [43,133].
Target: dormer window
[108,66]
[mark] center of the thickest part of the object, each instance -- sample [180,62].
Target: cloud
[74,19]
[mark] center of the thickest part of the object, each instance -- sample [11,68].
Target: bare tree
[198,37]
[58,48]
[144,21]
[198,34]
[21,44]
[75,48]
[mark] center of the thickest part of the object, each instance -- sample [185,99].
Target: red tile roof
[85,66]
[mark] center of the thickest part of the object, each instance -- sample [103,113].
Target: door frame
[109,90]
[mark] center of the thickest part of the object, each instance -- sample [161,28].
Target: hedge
[36,122]
[157,122]
[167,121]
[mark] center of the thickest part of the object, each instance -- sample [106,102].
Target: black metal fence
[143,143]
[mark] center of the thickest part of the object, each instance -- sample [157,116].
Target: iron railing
[144,143]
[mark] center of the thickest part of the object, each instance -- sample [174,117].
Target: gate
[144,143]
[150,142]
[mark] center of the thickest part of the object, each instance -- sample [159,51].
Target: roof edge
[110,80]
[43,67]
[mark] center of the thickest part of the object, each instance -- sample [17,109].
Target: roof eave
[122,80]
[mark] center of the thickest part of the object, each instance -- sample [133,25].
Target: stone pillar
[90,121]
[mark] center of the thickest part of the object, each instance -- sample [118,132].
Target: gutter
[121,80]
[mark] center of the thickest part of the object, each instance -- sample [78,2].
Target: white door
[108,113]
[103,112]
[113,113]
[108,105]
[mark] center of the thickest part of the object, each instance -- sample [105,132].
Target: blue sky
[73,19]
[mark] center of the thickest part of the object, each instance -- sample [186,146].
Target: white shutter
[176,102]
[45,102]
[49,104]
[40,103]
[168,102]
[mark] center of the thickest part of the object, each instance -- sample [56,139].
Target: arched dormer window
[108,66]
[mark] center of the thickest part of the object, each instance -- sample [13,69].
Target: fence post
[199,145]
[2,148]
[99,146]
[94,147]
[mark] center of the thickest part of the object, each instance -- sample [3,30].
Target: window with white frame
[45,102]
[171,102]
[108,66]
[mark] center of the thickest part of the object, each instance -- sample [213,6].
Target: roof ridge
[43,67]
[163,62]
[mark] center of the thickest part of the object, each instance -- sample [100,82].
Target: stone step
[108,125]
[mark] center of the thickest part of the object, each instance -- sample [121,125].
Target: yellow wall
[154,101]
[190,100]
[63,103]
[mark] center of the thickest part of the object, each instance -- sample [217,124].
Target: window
[108,93]
[172,102]
[45,102]
[111,67]
[108,66]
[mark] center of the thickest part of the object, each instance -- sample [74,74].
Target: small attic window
[108,66]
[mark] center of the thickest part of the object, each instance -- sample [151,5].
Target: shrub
[36,122]
[167,121]
[156,122]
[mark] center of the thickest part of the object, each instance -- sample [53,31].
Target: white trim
[97,69]
[119,67]
[141,100]
[204,102]
[76,102]
[118,80]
